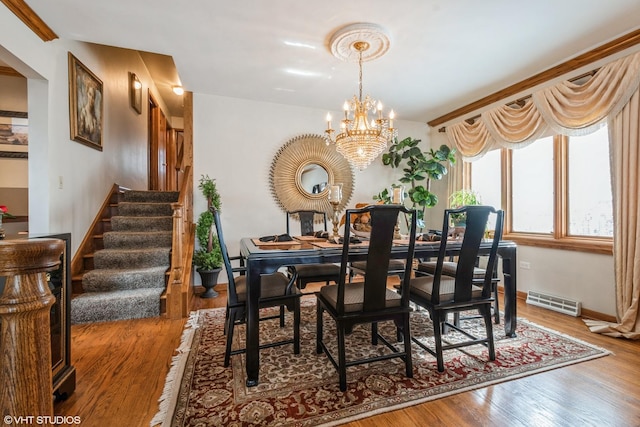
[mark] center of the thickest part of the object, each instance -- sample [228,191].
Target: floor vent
[563,305]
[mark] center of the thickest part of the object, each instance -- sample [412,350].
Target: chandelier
[364,132]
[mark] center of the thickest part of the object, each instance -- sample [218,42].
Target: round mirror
[302,172]
[313,178]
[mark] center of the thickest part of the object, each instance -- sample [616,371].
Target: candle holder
[396,193]
[335,198]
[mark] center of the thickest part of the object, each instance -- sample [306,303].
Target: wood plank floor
[121,368]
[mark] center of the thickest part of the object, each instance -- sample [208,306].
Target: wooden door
[157,147]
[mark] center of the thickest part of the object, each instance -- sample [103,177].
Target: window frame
[560,238]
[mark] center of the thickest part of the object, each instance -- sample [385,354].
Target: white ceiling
[444,53]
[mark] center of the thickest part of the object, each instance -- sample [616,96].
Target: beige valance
[567,108]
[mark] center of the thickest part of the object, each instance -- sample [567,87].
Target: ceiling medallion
[342,42]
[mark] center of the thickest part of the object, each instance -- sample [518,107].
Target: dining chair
[369,301]
[441,294]
[309,273]
[276,290]
[428,268]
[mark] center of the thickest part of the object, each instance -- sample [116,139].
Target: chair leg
[226,318]
[486,314]
[229,326]
[319,312]
[399,334]
[437,335]
[296,327]
[374,333]
[342,359]
[496,304]
[408,361]
[282,316]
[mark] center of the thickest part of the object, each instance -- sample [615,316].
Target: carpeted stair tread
[104,279]
[116,305]
[136,239]
[132,258]
[144,209]
[150,196]
[147,223]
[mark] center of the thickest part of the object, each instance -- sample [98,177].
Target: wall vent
[563,305]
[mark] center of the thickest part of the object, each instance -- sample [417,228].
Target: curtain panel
[624,146]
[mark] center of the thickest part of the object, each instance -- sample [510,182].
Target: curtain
[624,140]
[567,108]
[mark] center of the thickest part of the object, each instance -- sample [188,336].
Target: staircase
[129,274]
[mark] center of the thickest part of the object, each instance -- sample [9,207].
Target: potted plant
[460,198]
[208,257]
[420,168]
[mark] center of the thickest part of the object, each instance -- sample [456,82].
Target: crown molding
[31,20]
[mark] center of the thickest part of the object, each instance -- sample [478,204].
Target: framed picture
[135,90]
[14,128]
[85,104]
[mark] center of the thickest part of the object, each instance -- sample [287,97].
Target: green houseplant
[461,198]
[208,257]
[420,168]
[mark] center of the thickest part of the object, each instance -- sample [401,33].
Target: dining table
[267,257]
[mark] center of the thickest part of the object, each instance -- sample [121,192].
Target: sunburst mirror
[302,171]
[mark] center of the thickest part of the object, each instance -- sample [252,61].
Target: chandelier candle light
[364,132]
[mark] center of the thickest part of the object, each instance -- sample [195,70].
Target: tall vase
[1,229]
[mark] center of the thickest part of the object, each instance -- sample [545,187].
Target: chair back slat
[308,219]
[476,224]
[477,218]
[232,296]
[378,254]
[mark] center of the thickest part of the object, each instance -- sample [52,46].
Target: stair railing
[179,290]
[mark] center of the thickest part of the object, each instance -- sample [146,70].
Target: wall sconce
[178,90]
[135,91]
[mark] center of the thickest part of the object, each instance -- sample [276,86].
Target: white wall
[87,174]
[235,142]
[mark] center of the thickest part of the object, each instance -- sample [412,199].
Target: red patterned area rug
[302,390]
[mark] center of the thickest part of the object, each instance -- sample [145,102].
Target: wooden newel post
[25,343]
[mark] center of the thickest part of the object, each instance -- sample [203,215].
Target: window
[532,184]
[485,176]
[556,192]
[589,185]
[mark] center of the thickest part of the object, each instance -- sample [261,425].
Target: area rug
[302,390]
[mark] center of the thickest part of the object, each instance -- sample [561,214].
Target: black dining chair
[276,290]
[369,301]
[441,294]
[309,273]
[428,268]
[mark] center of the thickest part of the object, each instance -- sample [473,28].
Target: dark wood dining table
[264,258]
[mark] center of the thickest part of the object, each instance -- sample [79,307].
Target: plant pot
[209,280]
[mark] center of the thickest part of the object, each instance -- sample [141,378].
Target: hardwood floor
[121,368]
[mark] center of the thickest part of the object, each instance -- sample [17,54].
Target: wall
[235,142]
[87,174]
[585,277]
